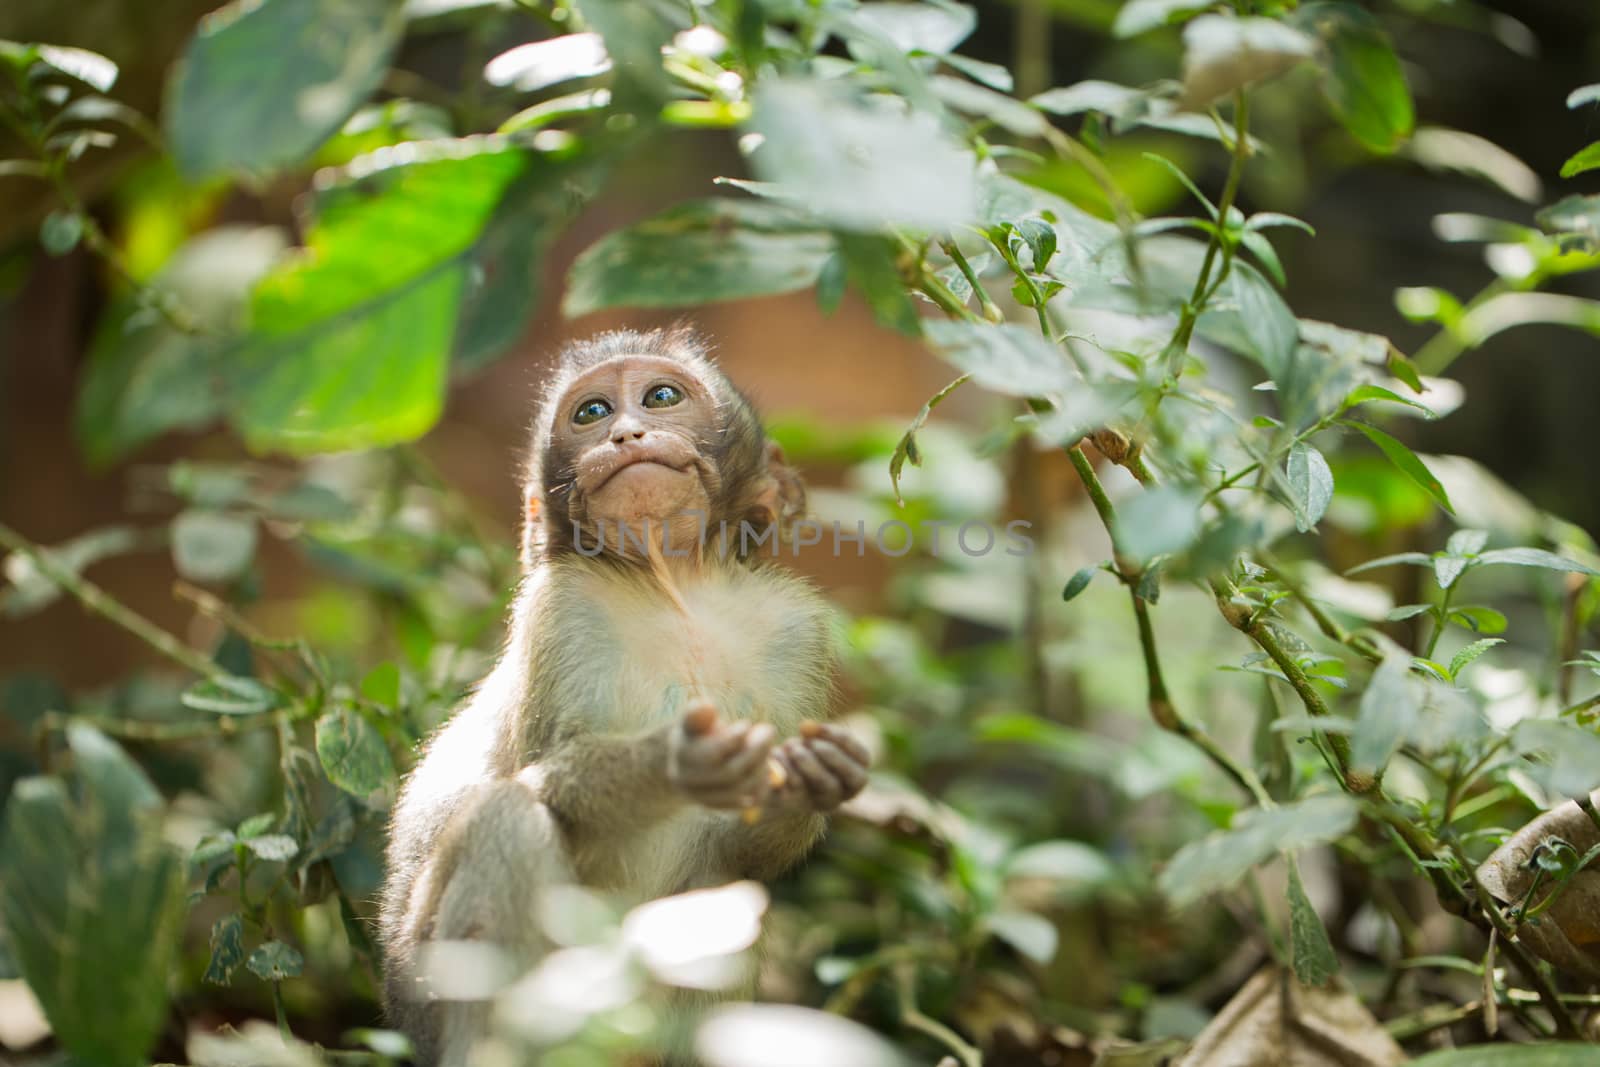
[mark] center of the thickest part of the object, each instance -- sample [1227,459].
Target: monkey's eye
[663,396]
[591,411]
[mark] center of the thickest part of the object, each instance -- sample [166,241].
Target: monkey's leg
[483,885]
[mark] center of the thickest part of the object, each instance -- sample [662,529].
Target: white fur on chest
[719,646]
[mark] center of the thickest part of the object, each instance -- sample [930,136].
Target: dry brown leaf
[1276,1022]
[1567,935]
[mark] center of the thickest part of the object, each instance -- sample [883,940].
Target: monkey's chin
[654,494]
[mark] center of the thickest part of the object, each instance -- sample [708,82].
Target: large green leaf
[698,253]
[147,375]
[1008,358]
[265,82]
[861,163]
[91,900]
[1362,78]
[1217,861]
[350,340]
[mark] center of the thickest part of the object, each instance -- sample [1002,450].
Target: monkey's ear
[532,527]
[783,494]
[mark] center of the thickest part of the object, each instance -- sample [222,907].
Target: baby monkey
[654,723]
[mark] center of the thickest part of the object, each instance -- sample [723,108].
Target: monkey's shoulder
[758,641]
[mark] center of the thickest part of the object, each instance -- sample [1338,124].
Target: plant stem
[986,305]
[1178,347]
[912,1016]
[100,602]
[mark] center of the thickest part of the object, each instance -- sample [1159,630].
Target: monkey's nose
[623,436]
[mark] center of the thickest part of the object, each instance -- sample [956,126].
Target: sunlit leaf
[1534,557]
[784,1035]
[275,961]
[1137,16]
[1362,78]
[230,695]
[353,753]
[1583,160]
[921,27]
[1222,54]
[1407,462]
[213,546]
[1009,358]
[1310,485]
[1388,715]
[541,64]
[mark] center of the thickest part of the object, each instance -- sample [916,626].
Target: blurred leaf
[212,546]
[1314,959]
[871,268]
[92,900]
[234,103]
[634,34]
[1584,159]
[698,253]
[1137,16]
[541,64]
[1276,1020]
[381,685]
[1467,153]
[1010,358]
[783,1035]
[1388,715]
[1505,1055]
[91,68]
[1407,462]
[1584,94]
[353,753]
[60,232]
[1032,935]
[1310,485]
[1534,557]
[1568,754]
[1217,861]
[1221,54]
[1362,79]
[1006,112]
[1417,559]
[372,299]
[1163,521]
[230,696]
[275,848]
[935,28]
[227,949]
[861,163]
[1072,864]
[275,961]
[1479,620]
[145,375]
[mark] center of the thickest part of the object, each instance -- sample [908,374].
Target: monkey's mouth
[640,459]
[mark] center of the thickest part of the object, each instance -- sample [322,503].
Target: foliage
[885,163]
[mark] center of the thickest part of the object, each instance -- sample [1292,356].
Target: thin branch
[912,1016]
[100,602]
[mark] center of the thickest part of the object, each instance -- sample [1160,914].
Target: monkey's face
[634,432]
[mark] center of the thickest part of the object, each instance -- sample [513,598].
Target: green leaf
[1362,79]
[61,231]
[1163,521]
[634,35]
[1479,620]
[906,448]
[1388,715]
[1032,935]
[234,103]
[1009,358]
[1221,859]
[147,375]
[212,546]
[1504,1055]
[1248,316]
[1447,568]
[698,253]
[1582,160]
[1079,582]
[1573,214]
[381,685]
[1312,953]
[274,848]
[1407,462]
[541,64]
[1137,16]
[1418,559]
[227,949]
[351,339]
[1365,394]
[230,695]
[257,824]
[91,68]
[1407,611]
[1566,754]
[1467,542]
[92,901]
[1461,659]
[870,266]
[274,961]
[860,163]
[353,753]
[1006,112]
[1265,254]
[1221,54]
[934,28]
[1310,485]
[1535,557]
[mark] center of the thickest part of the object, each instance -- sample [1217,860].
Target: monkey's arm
[602,789]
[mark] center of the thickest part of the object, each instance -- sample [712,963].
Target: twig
[912,1016]
[103,604]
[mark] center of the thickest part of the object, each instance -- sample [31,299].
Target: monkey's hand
[822,768]
[718,764]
